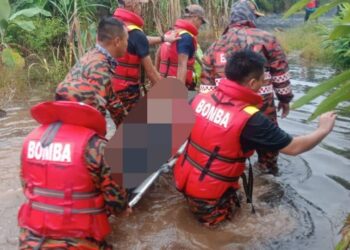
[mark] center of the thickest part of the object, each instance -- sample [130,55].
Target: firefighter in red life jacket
[68,186]
[127,81]
[243,34]
[89,80]
[227,129]
[177,59]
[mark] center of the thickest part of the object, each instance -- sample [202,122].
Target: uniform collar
[239,92]
[111,60]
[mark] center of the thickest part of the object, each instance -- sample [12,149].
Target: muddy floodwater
[302,208]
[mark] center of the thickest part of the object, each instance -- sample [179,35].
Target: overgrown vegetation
[42,39]
[311,48]
[338,41]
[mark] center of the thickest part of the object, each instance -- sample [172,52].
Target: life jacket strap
[217,156]
[248,185]
[211,173]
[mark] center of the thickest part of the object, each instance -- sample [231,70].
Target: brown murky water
[303,208]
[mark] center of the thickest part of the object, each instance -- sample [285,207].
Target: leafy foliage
[311,48]
[17,18]
[52,34]
[276,6]
[339,38]
[78,16]
[340,49]
[344,244]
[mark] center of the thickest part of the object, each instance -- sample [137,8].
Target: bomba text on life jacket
[57,152]
[213,114]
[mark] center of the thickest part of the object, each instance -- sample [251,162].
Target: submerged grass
[19,83]
[13,85]
[308,41]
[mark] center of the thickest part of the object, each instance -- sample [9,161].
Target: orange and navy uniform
[89,81]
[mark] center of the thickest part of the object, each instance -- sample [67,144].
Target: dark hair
[243,64]
[109,28]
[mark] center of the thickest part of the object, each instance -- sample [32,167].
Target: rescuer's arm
[115,197]
[182,67]
[261,133]
[170,38]
[303,143]
[157,59]
[141,47]
[185,51]
[151,71]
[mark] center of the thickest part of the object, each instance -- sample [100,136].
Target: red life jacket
[169,56]
[62,200]
[311,4]
[129,66]
[214,160]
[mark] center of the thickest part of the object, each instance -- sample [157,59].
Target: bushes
[311,47]
[340,49]
[50,33]
[276,6]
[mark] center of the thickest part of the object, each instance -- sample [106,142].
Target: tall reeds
[160,15]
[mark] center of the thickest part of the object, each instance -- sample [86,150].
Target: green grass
[307,41]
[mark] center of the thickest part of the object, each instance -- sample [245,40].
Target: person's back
[89,81]
[169,53]
[127,80]
[178,59]
[235,38]
[64,179]
[228,128]
[243,34]
[90,87]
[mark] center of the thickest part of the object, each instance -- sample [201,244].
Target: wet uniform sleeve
[115,197]
[138,43]
[87,82]
[207,76]
[261,133]
[185,45]
[115,107]
[279,71]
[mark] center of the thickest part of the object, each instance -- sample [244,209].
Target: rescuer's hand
[171,37]
[327,121]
